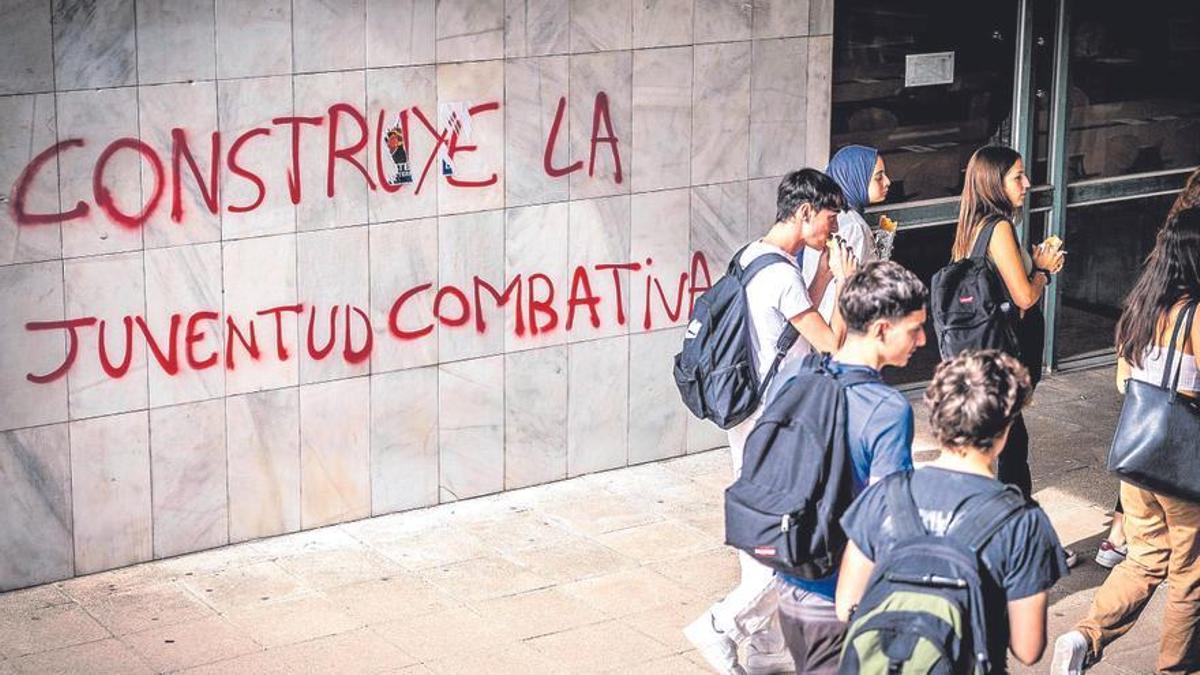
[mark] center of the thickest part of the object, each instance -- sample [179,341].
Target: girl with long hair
[994,188]
[1113,549]
[1162,531]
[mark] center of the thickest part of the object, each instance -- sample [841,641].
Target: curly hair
[974,397]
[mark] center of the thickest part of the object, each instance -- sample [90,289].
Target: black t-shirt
[1024,558]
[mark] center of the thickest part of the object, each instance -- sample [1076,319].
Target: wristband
[1044,272]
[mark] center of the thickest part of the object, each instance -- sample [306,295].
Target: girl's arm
[1005,253]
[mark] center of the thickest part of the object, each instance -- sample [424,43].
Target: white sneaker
[717,648]
[1070,652]
[768,663]
[1110,556]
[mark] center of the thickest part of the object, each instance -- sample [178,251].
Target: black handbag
[1157,444]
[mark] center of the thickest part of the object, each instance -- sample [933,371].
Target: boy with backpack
[765,283]
[870,430]
[947,568]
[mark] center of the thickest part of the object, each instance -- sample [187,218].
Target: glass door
[1100,99]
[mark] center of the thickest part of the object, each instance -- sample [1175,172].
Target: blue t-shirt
[879,433]
[1022,559]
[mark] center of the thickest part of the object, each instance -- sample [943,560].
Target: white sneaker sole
[1109,559]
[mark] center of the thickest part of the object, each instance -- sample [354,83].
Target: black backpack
[715,370]
[923,609]
[970,303]
[797,476]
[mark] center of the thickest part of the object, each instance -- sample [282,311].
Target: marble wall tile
[110,483]
[780,18]
[536,27]
[763,195]
[778,113]
[600,234]
[662,23]
[472,245]
[820,17]
[536,244]
[29,127]
[404,440]
[659,231]
[176,40]
[94,44]
[109,288]
[244,105]
[721,113]
[657,418]
[99,117]
[474,84]
[328,34]
[263,436]
[333,269]
[591,74]
[185,280]
[191,107]
[35,514]
[471,427]
[598,405]
[702,435]
[662,118]
[400,32]
[335,452]
[820,100]
[254,38]
[315,95]
[391,90]
[535,417]
[260,274]
[27,55]
[601,25]
[719,223]
[32,292]
[188,472]
[470,30]
[404,256]
[532,90]
[723,20]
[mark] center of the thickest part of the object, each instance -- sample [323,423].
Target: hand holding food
[1048,255]
[885,237]
[841,258]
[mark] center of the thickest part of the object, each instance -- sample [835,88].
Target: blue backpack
[923,610]
[715,370]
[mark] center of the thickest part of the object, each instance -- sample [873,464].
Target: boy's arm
[1026,627]
[852,580]
[813,328]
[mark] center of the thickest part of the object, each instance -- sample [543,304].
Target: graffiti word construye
[448,141]
[596,296]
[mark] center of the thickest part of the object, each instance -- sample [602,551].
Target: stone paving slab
[595,574]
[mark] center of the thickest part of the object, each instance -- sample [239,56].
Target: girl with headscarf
[859,171]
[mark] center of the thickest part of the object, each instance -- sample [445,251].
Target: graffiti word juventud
[338,117]
[532,297]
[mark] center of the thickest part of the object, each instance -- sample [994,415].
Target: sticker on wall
[395,145]
[455,121]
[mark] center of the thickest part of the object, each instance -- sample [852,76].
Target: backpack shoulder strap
[979,250]
[905,518]
[977,527]
[760,263]
[735,263]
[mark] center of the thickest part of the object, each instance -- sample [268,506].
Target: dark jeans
[1014,461]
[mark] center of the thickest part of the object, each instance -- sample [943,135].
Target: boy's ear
[878,328]
[803,212]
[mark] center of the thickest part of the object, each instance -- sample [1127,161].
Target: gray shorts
[810,628]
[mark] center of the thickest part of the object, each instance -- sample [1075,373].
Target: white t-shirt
[774,296]
[857,235]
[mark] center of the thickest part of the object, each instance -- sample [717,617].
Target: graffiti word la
[446,140]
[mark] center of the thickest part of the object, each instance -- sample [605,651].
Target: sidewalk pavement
[595,574]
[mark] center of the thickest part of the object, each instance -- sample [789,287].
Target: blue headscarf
[851,169]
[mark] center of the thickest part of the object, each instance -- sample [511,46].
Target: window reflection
[1107,245]
[926,134]
[1134,95]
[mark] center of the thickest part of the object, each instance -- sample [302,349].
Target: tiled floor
[596,574]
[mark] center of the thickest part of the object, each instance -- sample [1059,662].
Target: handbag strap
[1184,320]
